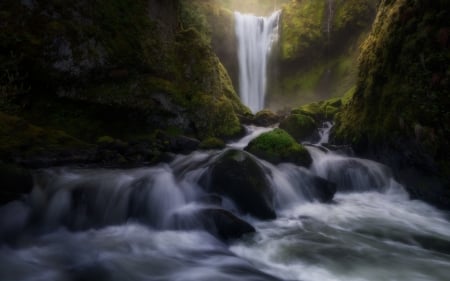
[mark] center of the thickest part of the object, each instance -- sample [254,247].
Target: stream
[145,224]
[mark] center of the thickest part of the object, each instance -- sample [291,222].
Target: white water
[255,36]
[324,132]
[144,224]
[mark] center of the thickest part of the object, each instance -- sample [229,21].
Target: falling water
[330,14]
[256,36]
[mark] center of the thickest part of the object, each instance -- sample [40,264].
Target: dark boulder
[183,144]
[321,189]
[15,182]
[224,224]
[237,175]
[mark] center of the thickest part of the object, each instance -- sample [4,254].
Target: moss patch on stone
[299,126]
[18,138]
[212,143]
[278,146]
[402,92]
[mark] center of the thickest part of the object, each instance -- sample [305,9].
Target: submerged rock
[278,146]
[323,190]
[238,176]
[224,224]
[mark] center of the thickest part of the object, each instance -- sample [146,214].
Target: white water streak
[256,36]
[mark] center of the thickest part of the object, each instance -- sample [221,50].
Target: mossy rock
[121,68]
[266,118]
[20,138]
[213,117]
[212,143]
[278,146]
[323,110]
[299,126]
[237,175]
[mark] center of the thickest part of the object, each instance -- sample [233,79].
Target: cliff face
[318,47]
[119,68]
[400,110]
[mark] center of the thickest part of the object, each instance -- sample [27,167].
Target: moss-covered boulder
[266,118]
[325,110]
[278,146]
[299,126]
[212,143]
[399,112]
[236,175]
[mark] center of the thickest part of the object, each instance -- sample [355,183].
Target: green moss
[18,137]
[278,146]
[265,117]
[212,143]
[323,110]
[105,140]
[299,126]
[214,117]
[403,80]
[139,66]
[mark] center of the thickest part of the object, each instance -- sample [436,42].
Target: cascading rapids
[159,223]
[256,36]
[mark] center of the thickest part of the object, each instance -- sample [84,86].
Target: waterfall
[255,36]
[330,15]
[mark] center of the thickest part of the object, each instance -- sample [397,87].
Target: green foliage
[318,54]
[278,146]
[351,15]
[301,27]
[258,7]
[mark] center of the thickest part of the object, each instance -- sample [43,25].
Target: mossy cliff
[400,110]
[121,68]
[318,48]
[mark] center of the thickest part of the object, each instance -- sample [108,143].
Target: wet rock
[179,144]
[224,224]
[15,182]
[237,175]
[323,190]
